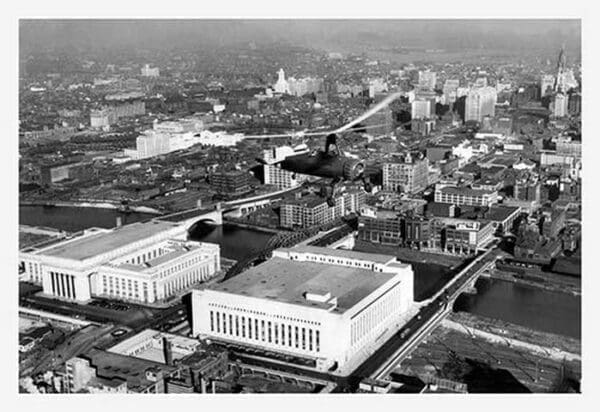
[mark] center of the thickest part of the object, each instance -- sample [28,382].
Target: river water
[236,243]
[524,305]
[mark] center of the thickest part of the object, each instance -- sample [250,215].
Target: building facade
[322,305]
[140,262]
[465,196]
[231,183]
[480,102]
[152,144]
[408,174]
[282,179]
[313,210]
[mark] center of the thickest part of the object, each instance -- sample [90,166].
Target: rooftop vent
[317,296]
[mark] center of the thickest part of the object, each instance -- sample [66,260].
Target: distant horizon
[517,35]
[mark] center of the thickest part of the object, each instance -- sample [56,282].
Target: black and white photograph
[329,207]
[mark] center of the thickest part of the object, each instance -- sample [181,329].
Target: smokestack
[119,221]
[168,351]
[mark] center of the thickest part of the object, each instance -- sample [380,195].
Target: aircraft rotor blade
[384,103]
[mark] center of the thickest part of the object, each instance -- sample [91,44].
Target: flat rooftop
[343,253]
[310,200]
[86,247]
[465,191]
[133,370]
[286,281]
[181,345]
[499,213]
[176,249]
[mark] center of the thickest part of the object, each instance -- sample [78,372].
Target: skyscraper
[450,89]
[427,80]
[547,84]
[480,102]
[561,105]
[421,109]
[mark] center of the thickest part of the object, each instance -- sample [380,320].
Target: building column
[58,289]
[74,296]
[67,281]
[53,280]
[62,284]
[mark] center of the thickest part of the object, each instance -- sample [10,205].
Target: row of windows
[186,280]
[265,331]
[179,267]
[378,313]
[35,271]
[144,257]
[313,258]
[256,312]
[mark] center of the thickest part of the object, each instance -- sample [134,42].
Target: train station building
[329,308]
[145,262]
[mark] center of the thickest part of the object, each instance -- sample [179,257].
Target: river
[236,243]
[524,305]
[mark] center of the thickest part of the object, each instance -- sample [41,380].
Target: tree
[455,368]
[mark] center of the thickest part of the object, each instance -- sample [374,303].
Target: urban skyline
[300,206]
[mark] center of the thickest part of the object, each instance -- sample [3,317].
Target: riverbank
[97,205]
[486,365]
[552,282]
[551,344]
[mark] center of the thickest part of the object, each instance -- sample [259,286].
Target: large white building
[276,176]
[170,136]
[148,71]
[313,210]
[330,307]
[282,85]
[560,105]
[282,179]
[464,196]
[141,262]
[151,144]
[450,89]
[427,79]
[422,108]
[480,102]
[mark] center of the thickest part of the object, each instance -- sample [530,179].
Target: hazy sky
[528,34]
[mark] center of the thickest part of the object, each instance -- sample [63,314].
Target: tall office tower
[547,84]
[565,79]
[574,104]
[421,109]
[480,102]
[560,69]
[561,105]
[450,90]
[427,80]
